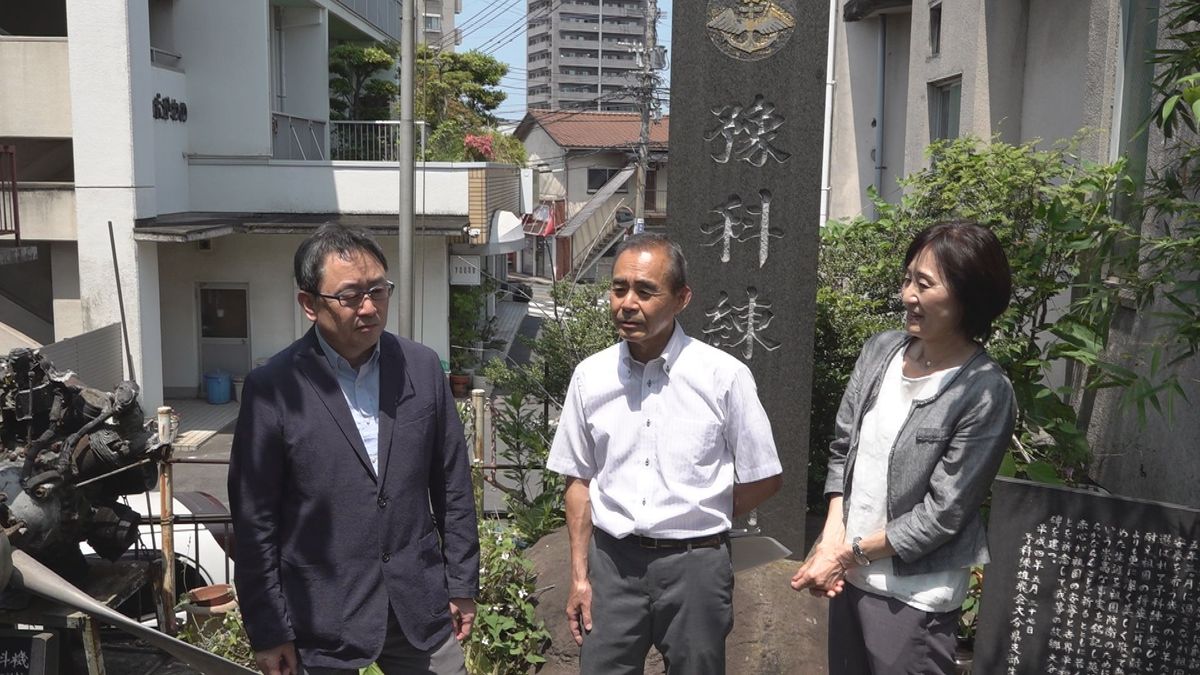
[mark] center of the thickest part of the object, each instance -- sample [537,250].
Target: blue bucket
[218,385]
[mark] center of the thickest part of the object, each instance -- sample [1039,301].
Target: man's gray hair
[676,263]
[309,263]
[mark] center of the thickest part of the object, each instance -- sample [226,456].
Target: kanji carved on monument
[733,326]
[747,133]
[734,226]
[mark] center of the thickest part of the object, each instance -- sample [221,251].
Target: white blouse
[933,592]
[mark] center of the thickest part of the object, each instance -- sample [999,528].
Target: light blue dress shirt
[361,389]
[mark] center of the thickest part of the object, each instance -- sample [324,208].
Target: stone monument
[747,100]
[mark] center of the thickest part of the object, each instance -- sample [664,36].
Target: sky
[497,27]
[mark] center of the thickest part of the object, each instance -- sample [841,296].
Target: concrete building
[179,148]
[580,53]
[584,162]
[908,72]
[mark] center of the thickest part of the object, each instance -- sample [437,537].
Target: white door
[224,328]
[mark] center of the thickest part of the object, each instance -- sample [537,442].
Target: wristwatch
[859,556]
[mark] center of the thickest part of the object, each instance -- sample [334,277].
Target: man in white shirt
[663,442]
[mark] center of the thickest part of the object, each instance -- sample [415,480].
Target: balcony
[574,78]
[383,15]
[47,211]
[297,137]
[575,39]
[35,87]
[233,185]
[577,60]
[622,28]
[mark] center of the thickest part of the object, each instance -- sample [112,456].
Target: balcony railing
[368,140]
[10,215]
[297,137]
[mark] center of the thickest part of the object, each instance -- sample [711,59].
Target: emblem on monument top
[750,30]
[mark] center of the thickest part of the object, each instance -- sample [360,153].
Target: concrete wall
[306,62]
[324,187]
[109,62]
[171,146]
[224,46]
[264,263]
[541,149]
[64,267]
[48,211]
[35,87]
[1056,72]
[856,66]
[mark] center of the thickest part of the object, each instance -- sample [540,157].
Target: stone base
[775,629]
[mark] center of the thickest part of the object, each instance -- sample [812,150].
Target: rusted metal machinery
[67,453]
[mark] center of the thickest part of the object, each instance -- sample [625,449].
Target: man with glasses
[350,486]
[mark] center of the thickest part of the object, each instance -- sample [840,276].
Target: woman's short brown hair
[975,269]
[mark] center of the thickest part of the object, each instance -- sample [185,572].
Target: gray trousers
[875,635]
[399,657]
[679,600]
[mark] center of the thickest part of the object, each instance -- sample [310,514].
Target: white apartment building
[580,53]
[197,132]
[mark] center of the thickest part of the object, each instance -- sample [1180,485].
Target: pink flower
[480,146]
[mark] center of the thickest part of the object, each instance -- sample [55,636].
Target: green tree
[1051,211]
[463,87]
[358,90]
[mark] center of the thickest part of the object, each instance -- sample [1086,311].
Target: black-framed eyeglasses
[353,297]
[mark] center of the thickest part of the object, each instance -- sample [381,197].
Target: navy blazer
[323,543]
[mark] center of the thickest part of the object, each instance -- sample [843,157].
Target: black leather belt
[710,541]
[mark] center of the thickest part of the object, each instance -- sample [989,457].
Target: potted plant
[468,332]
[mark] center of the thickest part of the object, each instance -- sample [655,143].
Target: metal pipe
[477,409]
[827,136]
[880,90]
[406,299]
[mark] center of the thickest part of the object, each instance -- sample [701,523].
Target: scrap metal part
[67,453]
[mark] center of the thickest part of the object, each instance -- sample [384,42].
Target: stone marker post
[747,100]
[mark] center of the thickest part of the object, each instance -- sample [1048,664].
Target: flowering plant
[508,637]
[479,146]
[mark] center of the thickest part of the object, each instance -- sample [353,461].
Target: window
[935,29]
[433,22]
[597,178]
[944,102]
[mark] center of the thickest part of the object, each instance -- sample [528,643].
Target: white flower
[485,642]
[504,556]
[522,593]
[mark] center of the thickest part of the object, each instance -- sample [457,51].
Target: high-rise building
[581,54]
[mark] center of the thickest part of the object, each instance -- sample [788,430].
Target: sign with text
[1086,583]
[28,652]
[464,270]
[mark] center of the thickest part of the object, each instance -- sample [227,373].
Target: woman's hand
[823,574]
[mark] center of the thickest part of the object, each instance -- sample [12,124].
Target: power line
[479,19]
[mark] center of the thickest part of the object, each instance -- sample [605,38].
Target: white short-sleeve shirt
[663,442]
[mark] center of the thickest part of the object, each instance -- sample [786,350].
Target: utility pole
[405,302]
[648,79]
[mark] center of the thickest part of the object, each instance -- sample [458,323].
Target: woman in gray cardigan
[921,431]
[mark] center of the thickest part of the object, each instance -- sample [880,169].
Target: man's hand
[579,609]
[279,660]
[462,617]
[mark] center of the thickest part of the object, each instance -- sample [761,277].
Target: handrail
[10,212]
[299,145]
[316,143]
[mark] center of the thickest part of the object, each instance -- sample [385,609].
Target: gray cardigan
[942,463]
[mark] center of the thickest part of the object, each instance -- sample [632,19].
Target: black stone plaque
[747,102]
[1087,583]
[28,652]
